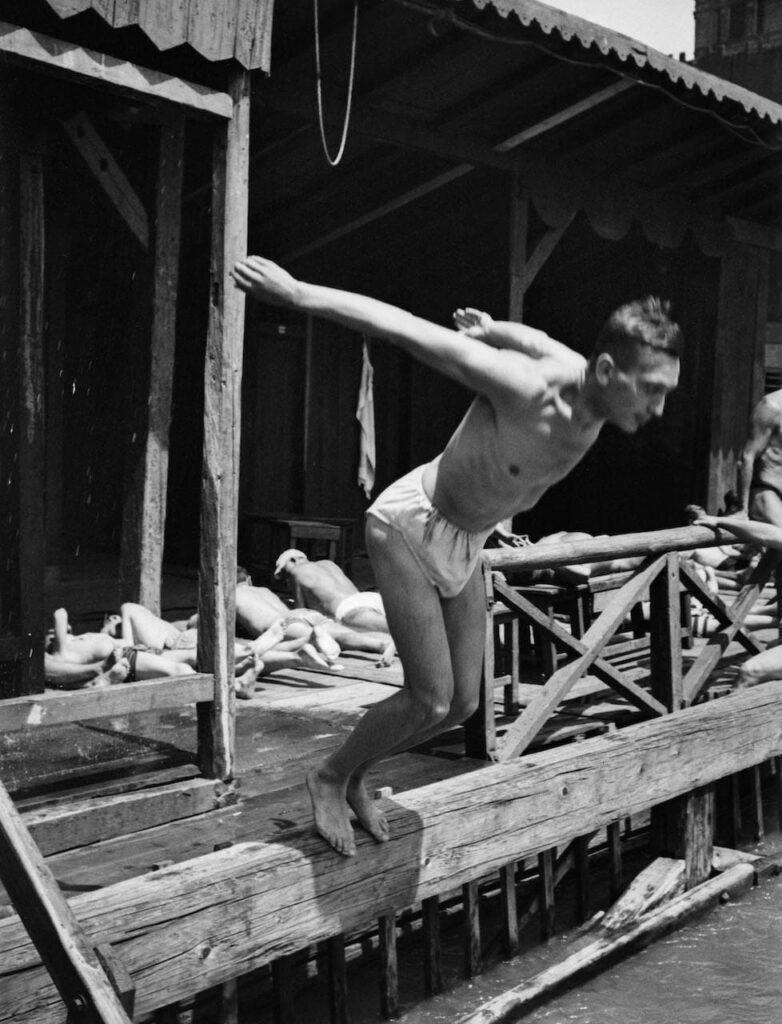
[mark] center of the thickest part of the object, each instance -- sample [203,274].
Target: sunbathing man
[325,588]
[538,410]
[74,660]
[760,465]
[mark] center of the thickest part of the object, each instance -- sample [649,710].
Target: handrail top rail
[623,545]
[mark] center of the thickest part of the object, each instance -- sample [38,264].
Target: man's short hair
[242,575]
[646,323]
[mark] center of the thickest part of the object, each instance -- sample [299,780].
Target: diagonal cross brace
[520,734]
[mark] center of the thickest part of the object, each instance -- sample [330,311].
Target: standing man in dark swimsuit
[760,466]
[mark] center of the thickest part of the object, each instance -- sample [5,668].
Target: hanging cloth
[365,414]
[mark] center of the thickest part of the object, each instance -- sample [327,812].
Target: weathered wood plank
[57,56]
[222,431]
[546,899]
[430,923]
[256,902]
[55,707]
[165,22]
[80,822]
[510,913]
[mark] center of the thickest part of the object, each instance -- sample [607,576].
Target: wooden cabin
[497,153]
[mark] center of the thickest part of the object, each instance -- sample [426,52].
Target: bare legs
[440,644]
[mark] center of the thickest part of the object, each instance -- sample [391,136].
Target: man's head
[635,363]
[287,559]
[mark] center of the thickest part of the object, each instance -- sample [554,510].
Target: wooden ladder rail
[93,983]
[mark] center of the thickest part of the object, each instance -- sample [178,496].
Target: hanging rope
[335,160]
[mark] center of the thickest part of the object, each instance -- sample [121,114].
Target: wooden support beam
[109,175]
[472,928]
[684,828]
[583,879]
[59,57]
[614,843]
[430,922]
[546,894]
[389,970]
[75,969]
[184,929]
[222,419]
[510,913]
[338,986]
[32,462]
[517,260]
[144,523]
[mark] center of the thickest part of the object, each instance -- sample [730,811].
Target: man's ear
[604,368]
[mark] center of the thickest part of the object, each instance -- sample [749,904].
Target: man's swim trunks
[366,599]
[447,554]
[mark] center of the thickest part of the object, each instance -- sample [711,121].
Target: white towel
[365,414]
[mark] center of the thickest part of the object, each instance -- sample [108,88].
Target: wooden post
[584,893]
[472,929]
[614,842]
[389,973]
[510,913]
[686,830]
[145,519]
[32,538]
[546,887]
[222,419]
[338,989]
[519,217]
[282,981]
[430,919]
[757,828]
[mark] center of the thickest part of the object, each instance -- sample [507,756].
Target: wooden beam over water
[195,925]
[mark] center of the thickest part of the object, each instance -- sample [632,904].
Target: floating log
[611,946]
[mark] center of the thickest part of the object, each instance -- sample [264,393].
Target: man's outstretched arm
[509,334]
[476,366]
[748,531]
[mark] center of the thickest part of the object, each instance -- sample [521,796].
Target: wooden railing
[662,575]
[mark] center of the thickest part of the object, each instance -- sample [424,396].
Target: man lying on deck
[324,587]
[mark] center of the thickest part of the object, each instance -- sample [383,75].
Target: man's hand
[266,281]
[473,323]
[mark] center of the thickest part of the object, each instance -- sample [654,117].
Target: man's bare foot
[310,656]
[326,644]
[389,653]
[274,635]
[331,813]
[244,685]
[367,811]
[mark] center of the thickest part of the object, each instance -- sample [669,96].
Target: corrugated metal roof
[217,29]
[552,21]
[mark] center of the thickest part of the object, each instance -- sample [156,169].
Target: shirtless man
[322,585]
[760,465]
[76,660]
[538,410]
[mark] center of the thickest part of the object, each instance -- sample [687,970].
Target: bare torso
[767,470]
[499,463]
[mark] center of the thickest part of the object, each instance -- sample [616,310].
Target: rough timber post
[220,475]
[32,545]
[144,523]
